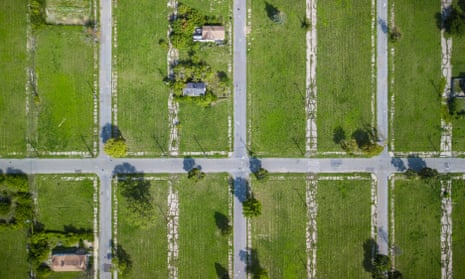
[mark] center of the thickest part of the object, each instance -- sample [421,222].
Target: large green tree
[251,207]
[116,147]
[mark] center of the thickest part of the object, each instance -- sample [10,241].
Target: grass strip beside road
[344,226]
[417,76]
[417,222]
[142,105]
[13,123]
[276,79]
[343,70]
[278,234]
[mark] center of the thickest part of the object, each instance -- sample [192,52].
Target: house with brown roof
[69,262]
[209,33]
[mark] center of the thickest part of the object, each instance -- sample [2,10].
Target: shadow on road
[416,163]
[255,164]
[109,131]
[125,168]
[240,188]
[188,163]
[398,164]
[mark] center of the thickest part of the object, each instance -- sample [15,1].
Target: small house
[69,262]
[209,33]
[194,89]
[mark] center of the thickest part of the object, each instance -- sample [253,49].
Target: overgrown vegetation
[192,68]
[15,201]
[363,140]
[454,24]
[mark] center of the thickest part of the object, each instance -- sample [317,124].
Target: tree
[261,173]
[382,265]
[196,174]
[121,260]
[116,147]
[251,207]
[394,34]
[454,24]
[427,173]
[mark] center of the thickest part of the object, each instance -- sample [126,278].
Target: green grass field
[278,234]
[64,66]
[141,66]
[13,123]
[276,80]
[13,255]
[458,227]
[458,69]
[343,222]
[343,69]
[63,203]
[417,221]
[417,77]
[202,247]
[147,246]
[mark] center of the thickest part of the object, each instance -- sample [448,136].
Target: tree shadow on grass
[271,10]
[369,250]
[222,222]
[254,267]
[221,271]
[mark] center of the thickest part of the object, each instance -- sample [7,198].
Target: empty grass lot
[417,222]
[278,234]
[147,246]
[63,203]
[343,69]
[458,69]
[343,222]
[141,66]
[276,80]
[458,227]
[206,129]
[202,247]
[64,65]
[13,77]
[13,255]
[417,77]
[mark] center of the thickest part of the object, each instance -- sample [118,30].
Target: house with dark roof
[209,33]
[194,89]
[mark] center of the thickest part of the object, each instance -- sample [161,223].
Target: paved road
[382,119]
[105,224]
[238,165]
[240,134]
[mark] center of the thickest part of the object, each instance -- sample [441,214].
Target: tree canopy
[116,147]
[251,207]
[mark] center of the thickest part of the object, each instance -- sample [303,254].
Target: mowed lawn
[13,255]
[417,225]
[141,65]
[343,224]
[206,129]
[458,227]
[417,77]
[203,205]
[13,77]
[62,202]
[278,234]
[458,69]
[146,245]
[343,73]
[276,79]
[64,66]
